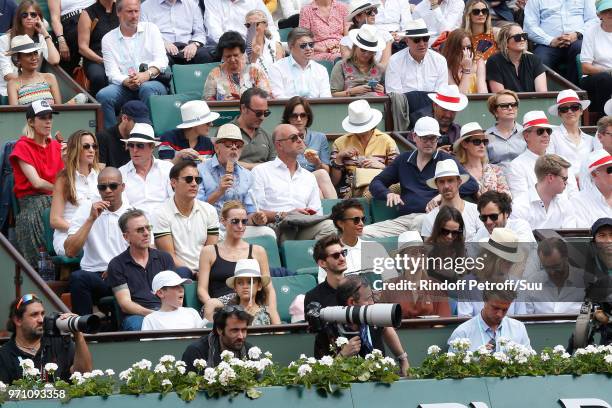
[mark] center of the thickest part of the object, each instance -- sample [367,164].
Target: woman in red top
[36,160]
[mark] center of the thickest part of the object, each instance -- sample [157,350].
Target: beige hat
[143,133]
[416,28]
[366,37]
[567,96]
[229,131]
[247,268]
[195,113]
[361,117]
[504,243]
[446,168]
[358,7]
[468,130]
[22,43]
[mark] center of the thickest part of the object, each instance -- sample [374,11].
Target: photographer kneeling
[32,339]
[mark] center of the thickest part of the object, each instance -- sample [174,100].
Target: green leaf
[253,393]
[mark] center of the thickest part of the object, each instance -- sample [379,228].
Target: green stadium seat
[284,33]
[271,247]
[191,78]
[48,238]
[109,306]
[287,288]
[313,271]
[329,65]
[190,298]
[380,211]
[3,100]
[579,66]
[166,110]
[297,254]
[328,203]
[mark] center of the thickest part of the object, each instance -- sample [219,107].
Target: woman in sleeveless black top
[217,263]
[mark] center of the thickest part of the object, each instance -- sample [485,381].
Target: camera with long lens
[381,314]
[53,326]
[593,318]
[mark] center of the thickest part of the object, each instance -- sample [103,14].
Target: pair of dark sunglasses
[260,113]
[565,109]
[293,138]
[419,39]
[493,217]
[229,144]
[307,44]
[478,142]
[132,145]
[31,14]
[302,115]
[541,131]
[190,179]
[112,186]
[337,255]
[236,221]
[520,37]
[356,220]
[483,11]
[87,146]
[372,12]
[454,234]
[510,105]
[147,228]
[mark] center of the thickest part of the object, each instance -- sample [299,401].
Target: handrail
[21,265]
[555,76]
[301,327]
[541,234]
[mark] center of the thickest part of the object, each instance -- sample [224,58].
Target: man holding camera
[26,322]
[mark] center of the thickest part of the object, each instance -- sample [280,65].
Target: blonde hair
[462,154]
[503,36]
[28,130]
[231,205]
[550,164]
[467,22]
[261,14]
[73,154]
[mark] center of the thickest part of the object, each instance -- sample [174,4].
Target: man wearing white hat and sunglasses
[416,67]
[190,138]
[147,181]
[412,170]
[595,202]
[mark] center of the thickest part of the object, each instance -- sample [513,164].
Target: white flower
[143,364]
[87,375]
[210,375]
[433,350]
[166,382]
[48,386]
[565,356]
[226,355]
[326,361]
[292,364]
[180,363]
[303,370]
[467,359]
[483,350]
[341,341]
[521,360]
[559,349]
[581,352]
[303,356]
[254,353]
[51,367]
[501,357]
[311,360]
[199,363]
[223,366]
[236,362]
[450,354]
[503,341]
[608,359]
[225,376]
[2,386]
[263,363]
[267,354]
[110,372]
[26,363]
[591,349]
[32,372]
[76,376]
[388,361]
[181,369]
[125,374]
[377,353]
[544,357]
[167,359]
[97,373]
[160,369]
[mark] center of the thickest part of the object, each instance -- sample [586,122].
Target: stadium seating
[380,211]
[297,254]
[166,110]
[271,248]
[191,78]
[287,288]
[48,236]
[190,298]
[328,203]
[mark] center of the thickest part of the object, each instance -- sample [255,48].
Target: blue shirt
[174,140]
[315,141]
[479,333]
[415,192]
[547,19]
[211,172]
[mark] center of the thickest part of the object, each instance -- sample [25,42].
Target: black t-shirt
[60,351]
[112,150]
[123,272]
[500,69]
[201,348]
[105,23]
[323,294]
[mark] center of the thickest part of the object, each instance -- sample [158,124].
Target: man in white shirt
[495,208]
[95,230]
[602,140]
[595,202]
[440,15]
[536,131]
[222,16]
[447,180]
[416,67]
[544,205]
[298,74]
[283,188]
[183,224]
[134,55]
[393,16]
[562,284]
[147,182]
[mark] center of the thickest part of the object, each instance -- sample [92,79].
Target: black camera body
[53,326]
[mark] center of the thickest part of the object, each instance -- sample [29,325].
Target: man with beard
[495,208]
[26,317]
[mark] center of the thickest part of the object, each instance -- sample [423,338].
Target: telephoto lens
[381,314]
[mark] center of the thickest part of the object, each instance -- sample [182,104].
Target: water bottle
[46,269]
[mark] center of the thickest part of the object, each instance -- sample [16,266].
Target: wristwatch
[197,43]
[278,217]
[402,357]
[578,35]
[151,74]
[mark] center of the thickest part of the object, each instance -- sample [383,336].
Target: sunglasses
[419,39]
[87,146]
[26,299]
[248,25]
[541,131]
[132,145]
[356,220]
[493,217]
[609,170]
[478,142]
[190,179]
[237,144]
[298,115]
[519,37]
[510,105]
[306,44]
[112,186]
[565,109]
[260,113]
[454,234]
[371,12]
[467,47]
[236,221]
[293,138]
[564,178]
[483,11]
[337,255]
[142,229]
[31,14]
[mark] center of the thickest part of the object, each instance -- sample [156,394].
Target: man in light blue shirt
[492,324]
[556,27]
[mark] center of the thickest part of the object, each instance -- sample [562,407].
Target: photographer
[26,318]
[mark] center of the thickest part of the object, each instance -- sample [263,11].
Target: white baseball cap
[427,126]
[167,279]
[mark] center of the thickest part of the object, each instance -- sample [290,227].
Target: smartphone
[372,84]
[483,46]
[310,211]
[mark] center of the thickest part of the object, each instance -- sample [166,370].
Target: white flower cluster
[341,341]
[2,386]
[254,353]
[167,359]
[210,375]
[483,350]
[51,368]
[608,359]
[110,372]
[166,382]
[518,353]
[226,355]
[126,374]
[304,369]
[433,350]
[327,361]
[226,375]
[199,363]
[28,368]
[460,344]
[77,378]
[388,361]
[143,364]
[160,369]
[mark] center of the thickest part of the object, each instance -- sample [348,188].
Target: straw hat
[503,242]
[247,268]
[195,113]
[567,96]
[143,133]
[416,28]
[446,168]
[468,130]
[361,117]
[536,119]
[358,7]
[366,38]
[22,43]
[598,158]
[229,131]
[449,98]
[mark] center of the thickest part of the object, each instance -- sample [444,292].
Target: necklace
[30,350]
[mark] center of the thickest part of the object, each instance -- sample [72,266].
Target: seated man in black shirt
[229,333]
[26,317]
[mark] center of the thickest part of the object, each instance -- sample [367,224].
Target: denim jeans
[113,97]
[86,288]
[132,323]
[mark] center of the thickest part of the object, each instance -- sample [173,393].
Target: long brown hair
[73,153]
[453,52]
[18,28]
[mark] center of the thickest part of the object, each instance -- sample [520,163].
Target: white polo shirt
[529,207]
[188,233]
[520,227]
[589,206]
[470,220]
[149,193]
[405,74]
[276,190]
[105,240]
[289,79]
[561,144]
